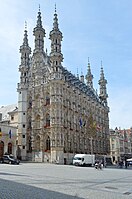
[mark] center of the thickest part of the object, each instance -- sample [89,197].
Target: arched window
[47,120]
[37,122]
[48,143]
[29,145]
[47,100]
[38,143]
[9,148]
[39,41]
[38,117]
[30,103]
[29,123]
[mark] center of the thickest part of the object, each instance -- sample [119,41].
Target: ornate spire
[25,40]
[25,51]
[55,36]
[25,47]
[82,76]
[102,73]
[89,76]
[39,33]
[39,21]
[102,82]
[55,24]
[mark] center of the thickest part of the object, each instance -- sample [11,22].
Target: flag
[80,122]
[10,133]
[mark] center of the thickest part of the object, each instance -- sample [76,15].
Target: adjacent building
[59,114]
[120,144]
[8,130]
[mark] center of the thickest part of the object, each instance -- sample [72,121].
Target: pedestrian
[120,164]
[100,166]
[126,164]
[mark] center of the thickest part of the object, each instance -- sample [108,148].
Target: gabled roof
[6,109]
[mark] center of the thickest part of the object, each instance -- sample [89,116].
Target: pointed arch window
[56,65]
[38,143]
[25,58]
[56,69]
[30,145]
[48,143]
[37,122]
[29,123]
[47,120]
[39,42]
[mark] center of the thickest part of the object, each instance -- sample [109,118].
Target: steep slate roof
[73,80]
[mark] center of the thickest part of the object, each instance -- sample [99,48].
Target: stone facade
[58,113]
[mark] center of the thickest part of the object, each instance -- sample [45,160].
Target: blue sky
[98,29]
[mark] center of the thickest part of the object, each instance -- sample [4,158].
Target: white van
[84,160]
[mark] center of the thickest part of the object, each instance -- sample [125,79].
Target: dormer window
[47,100]
[12,117]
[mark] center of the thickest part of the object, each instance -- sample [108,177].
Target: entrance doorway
[1,148]
[9,148]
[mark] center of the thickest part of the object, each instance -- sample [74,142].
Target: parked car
[129,163]
[9,159]
[0,159]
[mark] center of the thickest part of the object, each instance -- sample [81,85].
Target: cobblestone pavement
[48,181]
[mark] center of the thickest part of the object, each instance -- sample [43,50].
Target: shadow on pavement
[11,174]
[13,190]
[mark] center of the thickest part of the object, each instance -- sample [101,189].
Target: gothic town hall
[59,114]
